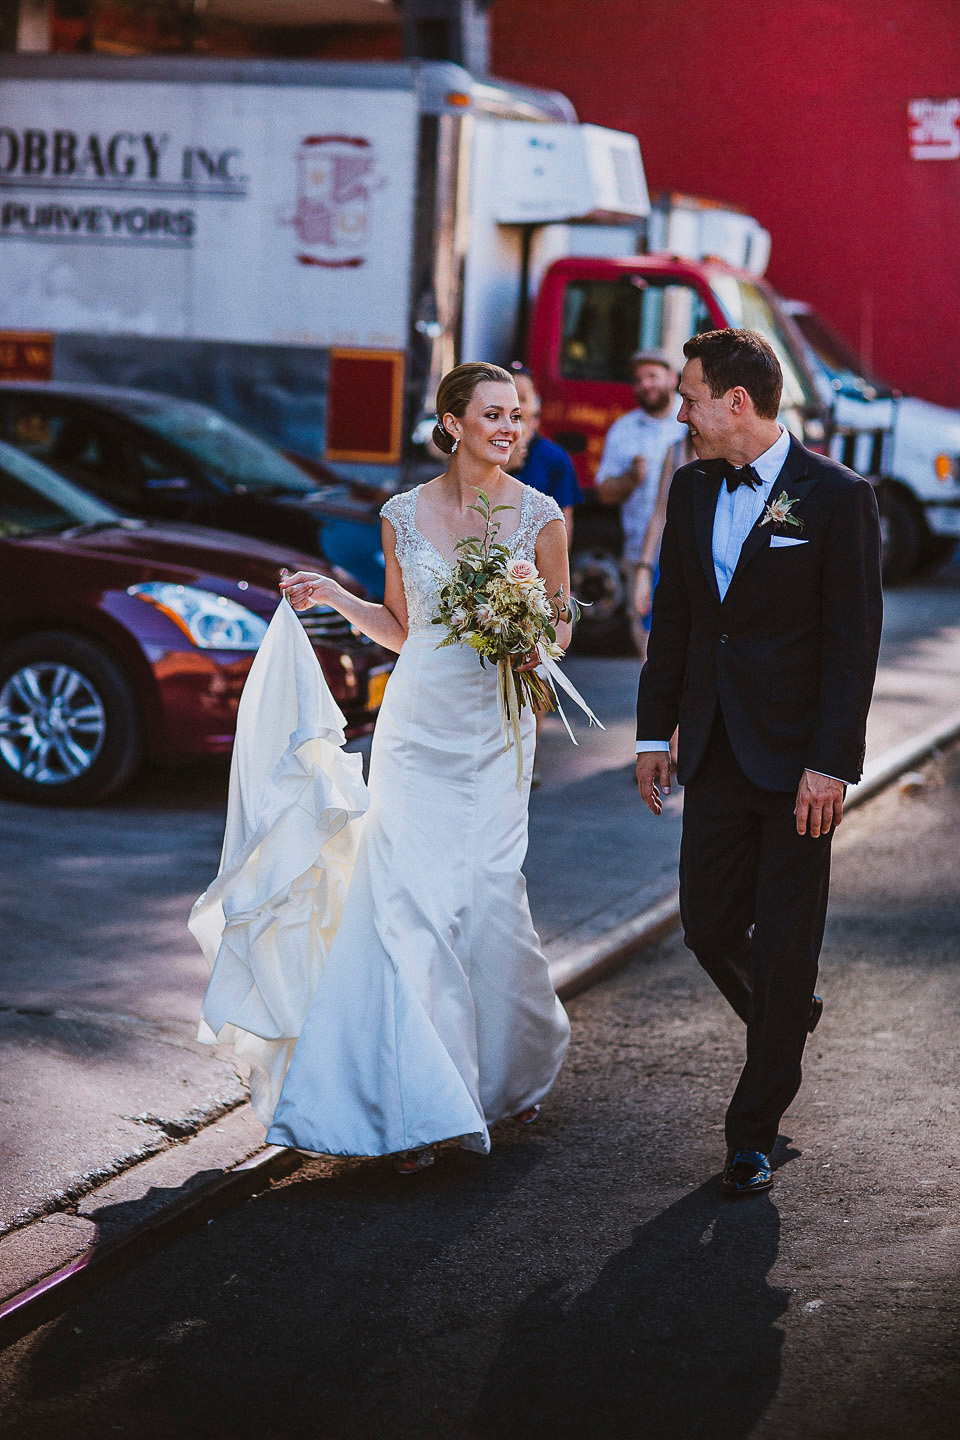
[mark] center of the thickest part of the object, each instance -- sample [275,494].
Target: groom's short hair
[740,357]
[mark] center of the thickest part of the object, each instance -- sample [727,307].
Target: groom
[763,647]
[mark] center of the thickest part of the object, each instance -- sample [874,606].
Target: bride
[433,1015]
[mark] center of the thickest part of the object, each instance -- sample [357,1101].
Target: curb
[56,1292]
[581,967]
[50,1296]
[588,963]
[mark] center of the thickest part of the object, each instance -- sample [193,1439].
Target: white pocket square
[784,540]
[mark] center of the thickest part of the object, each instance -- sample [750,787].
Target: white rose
[522,572]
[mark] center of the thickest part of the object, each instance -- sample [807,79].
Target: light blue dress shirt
[738,511]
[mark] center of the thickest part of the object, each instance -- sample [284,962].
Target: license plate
[376,684]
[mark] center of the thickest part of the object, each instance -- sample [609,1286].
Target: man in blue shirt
[544,465]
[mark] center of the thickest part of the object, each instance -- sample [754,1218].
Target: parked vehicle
[168,459]
[589,317]
[907,447]
[126,639]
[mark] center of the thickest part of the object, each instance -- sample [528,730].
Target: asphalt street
[586,1280]
[100,983]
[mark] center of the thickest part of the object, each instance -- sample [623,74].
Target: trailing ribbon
[556,677]
[510,705]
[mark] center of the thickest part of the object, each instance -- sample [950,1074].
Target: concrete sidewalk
[100,987]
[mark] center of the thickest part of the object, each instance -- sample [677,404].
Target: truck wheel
[596,581]
[900,536]
[69,727]
[936,550]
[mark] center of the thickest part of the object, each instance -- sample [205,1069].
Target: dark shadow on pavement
[304,1336]
[677,1338]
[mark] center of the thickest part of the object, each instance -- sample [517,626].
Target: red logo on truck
[336,180]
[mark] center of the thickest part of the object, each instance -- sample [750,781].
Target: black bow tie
[745,476]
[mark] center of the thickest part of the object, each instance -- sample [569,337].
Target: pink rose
[522,572]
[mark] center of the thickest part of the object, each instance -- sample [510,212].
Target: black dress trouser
[753,902]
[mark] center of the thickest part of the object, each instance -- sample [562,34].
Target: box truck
[305,246]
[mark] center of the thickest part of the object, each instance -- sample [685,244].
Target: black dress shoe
[816,1010]
[745,1173]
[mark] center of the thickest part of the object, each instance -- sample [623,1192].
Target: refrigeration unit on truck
[306,246]
[909,448]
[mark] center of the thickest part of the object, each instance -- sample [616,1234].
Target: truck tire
[935,551]
[900,534]
[597,582]
[70,731]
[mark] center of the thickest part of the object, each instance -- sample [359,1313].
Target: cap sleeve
[542,509]
[399,510]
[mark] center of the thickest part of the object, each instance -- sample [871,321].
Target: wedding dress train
[373,950]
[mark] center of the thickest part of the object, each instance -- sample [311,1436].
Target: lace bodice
[423,567]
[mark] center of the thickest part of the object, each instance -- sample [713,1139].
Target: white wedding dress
[373,952]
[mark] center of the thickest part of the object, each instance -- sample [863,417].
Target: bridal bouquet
[499,606]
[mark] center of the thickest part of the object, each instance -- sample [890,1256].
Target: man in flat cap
[633,455]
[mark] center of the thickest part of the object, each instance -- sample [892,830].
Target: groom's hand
[819,804]
[653,777]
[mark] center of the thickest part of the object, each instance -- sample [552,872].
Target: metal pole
[455,30]
[25,24]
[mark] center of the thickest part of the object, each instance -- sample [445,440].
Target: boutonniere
[780,512]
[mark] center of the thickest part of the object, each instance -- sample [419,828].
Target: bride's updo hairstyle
[455,392]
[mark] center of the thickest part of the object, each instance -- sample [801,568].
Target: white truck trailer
[305,246]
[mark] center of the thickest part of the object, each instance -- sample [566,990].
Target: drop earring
[455,444]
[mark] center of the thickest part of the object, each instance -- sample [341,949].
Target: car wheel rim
[52,723]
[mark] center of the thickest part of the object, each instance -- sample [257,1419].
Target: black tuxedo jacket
[790,653]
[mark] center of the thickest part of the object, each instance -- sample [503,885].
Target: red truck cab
[590,316]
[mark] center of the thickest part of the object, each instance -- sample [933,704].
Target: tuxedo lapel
[793,479]
[704,510]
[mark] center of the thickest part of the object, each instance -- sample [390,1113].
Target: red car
[126,639]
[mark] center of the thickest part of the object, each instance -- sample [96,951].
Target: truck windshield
[747,307]
[34,500]
[231,454]
[606,321]
[846,370]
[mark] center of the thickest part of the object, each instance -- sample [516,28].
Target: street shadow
[676,1338]
[170,1201]
[286,1317]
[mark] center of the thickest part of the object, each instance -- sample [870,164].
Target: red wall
[795,110]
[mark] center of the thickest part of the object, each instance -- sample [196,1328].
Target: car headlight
[210,621]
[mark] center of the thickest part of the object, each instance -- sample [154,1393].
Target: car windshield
[748,308]
[34,500]
[229,453]
[846,370]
